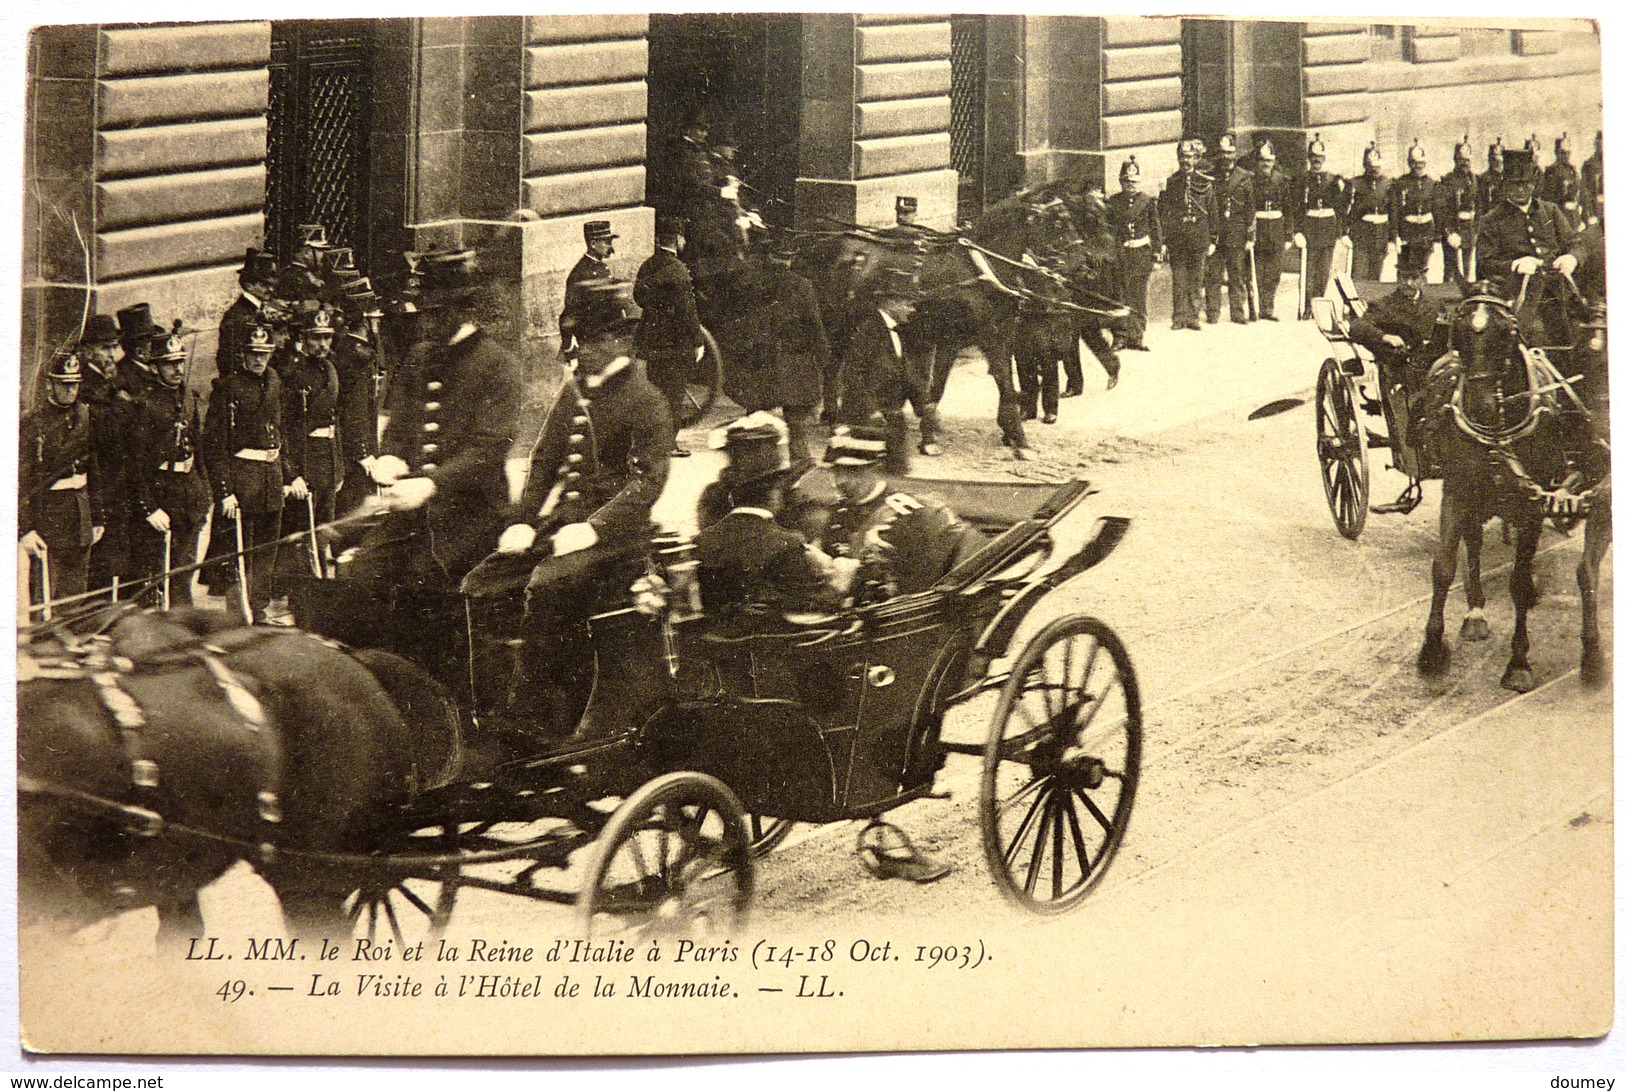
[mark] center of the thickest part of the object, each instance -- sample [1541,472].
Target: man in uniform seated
[745,557]
[1401,330]
[886,542]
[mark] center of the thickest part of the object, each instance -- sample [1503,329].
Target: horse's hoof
[1026,454]
[1593,668]
[1518,679]
[1111,381]
[1434,658]
[1475,628]
[931,450]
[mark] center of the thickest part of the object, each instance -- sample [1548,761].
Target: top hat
[313,236]
[65,368]
[1519,165]
[598,231]
[257,266]
[859,445]
[1129,170]
[757,446]
[1417,154]
[1316,146]
[100,329]
[907,204]
[259,339]
[135,323]
[448,277]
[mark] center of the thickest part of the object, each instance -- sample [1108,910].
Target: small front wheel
[1061,765]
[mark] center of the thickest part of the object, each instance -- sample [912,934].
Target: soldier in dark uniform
[454,415]
[59,497]
[311,441]
[112,412]
[1591,185]
[1402,330]
[1560,184]
[257,279]
[1272,199]
[592,271]
[242,453]
[790,377]
[597,468]
[1489,183]
[167,475]
[694,186]
[1371,228]
[1319,216]
[1234,233]
[302,279]
[1456,207]
[670,340]
[1411,202]
[1521,237]
[1132,217]
[357,360]
[1189,232]
[746,557]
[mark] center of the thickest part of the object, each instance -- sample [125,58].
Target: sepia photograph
[712,533]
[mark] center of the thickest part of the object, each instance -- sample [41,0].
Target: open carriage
[652,814]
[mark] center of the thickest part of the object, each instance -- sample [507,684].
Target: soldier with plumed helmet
[1234,232]
[1560,183]
[1189,226]
[1591,198]
[311,441]
[1272,200]
[1319,216]
[1411,206]
[1370,223]
[1132,216]
[59,499]
[1456,207]
[167,475]
[1489,183]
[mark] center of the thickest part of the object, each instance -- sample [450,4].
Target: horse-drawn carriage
[650,816]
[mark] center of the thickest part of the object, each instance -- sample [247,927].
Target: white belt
[1375,217]
[1466,215]
[1269,214]
[1319,213]
[1135,244]
[70,484]
[260,454]
[184,466]
[322,433]
[1422,218]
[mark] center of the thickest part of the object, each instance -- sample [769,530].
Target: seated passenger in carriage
[886,542]
[746,558]
[1403,331]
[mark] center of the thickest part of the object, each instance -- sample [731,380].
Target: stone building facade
[156,153]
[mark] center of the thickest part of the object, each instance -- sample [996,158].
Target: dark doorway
[744,73]
[318,120]
[967,111]
[1207,78]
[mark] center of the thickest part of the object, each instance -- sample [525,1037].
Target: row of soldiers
[1222,219]
[120,469]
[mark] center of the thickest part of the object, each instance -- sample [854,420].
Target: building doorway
[967,111]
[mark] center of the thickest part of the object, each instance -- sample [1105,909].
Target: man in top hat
[59,501]
[886,542]
[880,376]
[1410,209]
[1523,236]
[591,270]
[1370,223]
[454,416]
[1235,233]
[1132,216]
[746,558]
[98,357]
[598,466]
[694,186]
[311,443]
[136,329]
[786,370]
[1560,183]
[1489,183]
[1272,200]
[1456,200]
[1189,224]
[670,341]
[257,280]
[1591,197]
[167,477]
[242,453]
[1322,201]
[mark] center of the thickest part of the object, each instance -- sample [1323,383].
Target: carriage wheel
[766,833]
[1345,471]
[675,859]
[1061,765]
[702,384]
[384,906]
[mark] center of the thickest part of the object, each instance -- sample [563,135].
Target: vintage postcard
[808,532]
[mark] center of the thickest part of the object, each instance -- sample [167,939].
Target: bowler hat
[100,329]
[257,267]
[669,225]
[1130,169]
[757,448]
[448,277]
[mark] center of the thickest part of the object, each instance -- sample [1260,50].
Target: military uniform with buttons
[358,362]
[1132,216]
[59,501]
[168,476]
[1591,190]
[311,440]
[115,554]
[1369,216]
[1489,183]
[1189,224]
[1411,204]
[1234,232]
[1272,201]
[1541,231]
[1322,204]
[1561,184]
[242,453]
[1457,198]
[583,287]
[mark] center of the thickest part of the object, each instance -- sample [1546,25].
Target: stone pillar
[875,123]
[144,175]
[1336,79]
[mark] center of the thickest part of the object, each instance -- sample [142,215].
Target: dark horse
[1515,437]
[154,756]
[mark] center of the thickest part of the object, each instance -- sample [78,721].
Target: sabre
[45,581]
[1252,283]
[242,572]
[315,546]
[169,540]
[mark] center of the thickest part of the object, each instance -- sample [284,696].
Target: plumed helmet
[259,339]
[1265,152]
[1417,155]
[1464,150]
[65,368]
[1130,170]
[1560,146]
[168,345]
[1532,145]
[1317,146]
[1373,156]
[1227,144]
[317,320]
[1496,152]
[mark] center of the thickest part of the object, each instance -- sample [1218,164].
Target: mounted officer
[1457,196]
[1371,228]
[1322,203]
[167,475]
[1411,204]
[1234,233]
[1272,201]
[59,501]
[1132,217]
[670,339]
[581,287]
[1189,232]
[242,453]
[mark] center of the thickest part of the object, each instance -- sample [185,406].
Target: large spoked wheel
[1061,765]
[385,906]
[674,860]
[1340,444]
[766,833]
[702,383]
